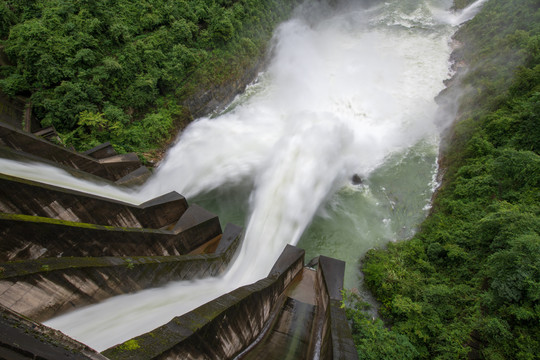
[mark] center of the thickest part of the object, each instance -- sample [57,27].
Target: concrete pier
[32,237]
[27,197]
[24,339]
[112,168]
[293,313]
[45,288]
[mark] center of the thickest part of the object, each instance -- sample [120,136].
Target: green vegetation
[45,267]
[468,284]
[461,4]
[120,70]
[372,339]
[129,345]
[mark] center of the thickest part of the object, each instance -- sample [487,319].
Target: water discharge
[348,91]
[56,176]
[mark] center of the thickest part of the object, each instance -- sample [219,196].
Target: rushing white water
[346,90]
[56,176]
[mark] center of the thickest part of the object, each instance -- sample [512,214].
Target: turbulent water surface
[349,90]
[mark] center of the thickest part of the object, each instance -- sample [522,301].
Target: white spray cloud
[459,17]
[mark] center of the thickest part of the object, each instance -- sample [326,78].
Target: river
[349,91]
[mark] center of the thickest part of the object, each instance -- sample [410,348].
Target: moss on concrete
[46,220]
[28,267]
[130,345]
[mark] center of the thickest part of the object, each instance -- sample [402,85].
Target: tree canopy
[120,70]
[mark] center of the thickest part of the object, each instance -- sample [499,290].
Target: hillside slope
[131,72]
[467,286]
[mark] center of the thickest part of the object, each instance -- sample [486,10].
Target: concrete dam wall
[61,249]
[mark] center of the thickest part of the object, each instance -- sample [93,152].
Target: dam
[63,249]
[376,130]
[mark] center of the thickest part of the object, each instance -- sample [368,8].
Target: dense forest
[467,286]
[122,71]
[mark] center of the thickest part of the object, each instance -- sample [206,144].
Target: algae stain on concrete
[129,345]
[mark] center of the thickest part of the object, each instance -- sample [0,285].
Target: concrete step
[23,339]
[121,165]
[136,177]
[27,197]
[48,133]
[101,151]
[111,168]
[45,288]
[32,237]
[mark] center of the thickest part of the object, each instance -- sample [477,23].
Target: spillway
[349,90]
